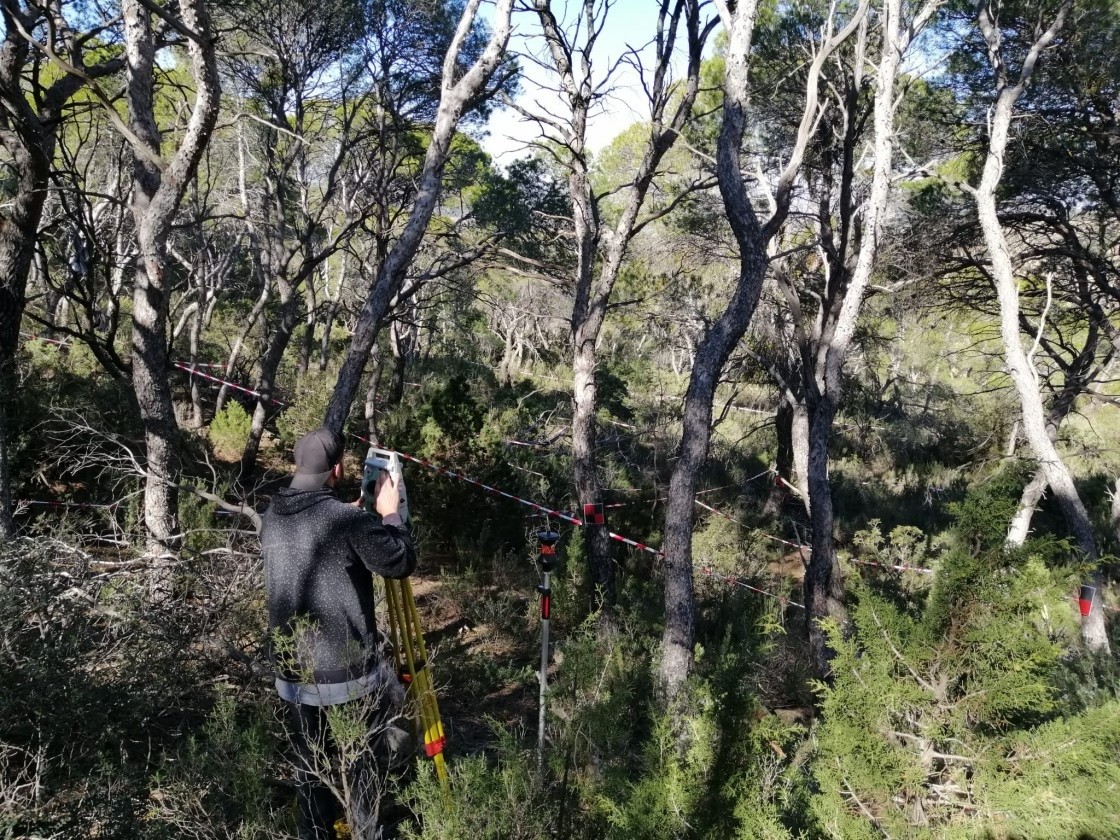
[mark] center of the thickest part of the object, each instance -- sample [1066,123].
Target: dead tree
[600,250]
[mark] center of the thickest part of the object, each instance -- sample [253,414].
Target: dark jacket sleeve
[386,550]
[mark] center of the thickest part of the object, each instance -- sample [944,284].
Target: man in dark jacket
[320,555]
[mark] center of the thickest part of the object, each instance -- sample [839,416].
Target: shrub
[229,431]
[930,718]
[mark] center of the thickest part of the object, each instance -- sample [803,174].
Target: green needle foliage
[958,721]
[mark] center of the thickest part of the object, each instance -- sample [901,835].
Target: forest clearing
[752,369]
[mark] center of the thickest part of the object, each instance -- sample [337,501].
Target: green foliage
[904,546]
[983,516]
[229,431]
[527,204]
[216,783]
[489,799]
[196,519]
[921,710]
[1057,780]
[307,409]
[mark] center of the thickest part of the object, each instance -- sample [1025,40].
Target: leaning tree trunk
[1022,373]
[455,97]
[1020,527]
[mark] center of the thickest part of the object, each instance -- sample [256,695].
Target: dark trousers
[316,751]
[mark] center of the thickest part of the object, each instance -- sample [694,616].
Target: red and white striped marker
[193,372]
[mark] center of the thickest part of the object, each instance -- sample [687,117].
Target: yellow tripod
[412,664]
[405,635]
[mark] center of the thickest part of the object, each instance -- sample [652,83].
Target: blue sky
[629,23]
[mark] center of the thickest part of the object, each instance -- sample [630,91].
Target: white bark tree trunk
[1023,375]
[823,585]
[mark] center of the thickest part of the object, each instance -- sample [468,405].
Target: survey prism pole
[547,562]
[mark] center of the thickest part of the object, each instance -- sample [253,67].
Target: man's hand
[387,497]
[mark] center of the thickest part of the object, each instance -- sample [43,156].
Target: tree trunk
[569,58]
[679,637]
[150,300]
[1114,510]
[824,592]
[1020,527]
[270,361]
[799,442]
[824,584]
[783,460]
[196,383]
[596,539]
[332,313]
[17,248]
[239,343]
[28,137]
[307,345]
[371,396]
[454,99]
[7,523]
[30,147]
[158,188]
[714,349]
[1022,373]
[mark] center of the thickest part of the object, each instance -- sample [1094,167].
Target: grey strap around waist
[333,693]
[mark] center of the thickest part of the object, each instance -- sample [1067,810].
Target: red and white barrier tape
[731,580]
[574,520]
[730,518]
[55,341]
[193,372]
[468,480]
[895,568]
